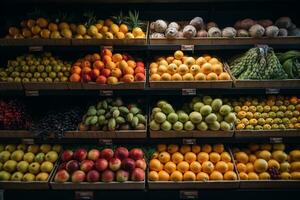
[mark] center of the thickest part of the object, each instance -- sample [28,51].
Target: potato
[202,33]
[229,32]
[189,31]
[242,33]
[256,31]
[272,31]
[283,32]
[210,25]
[265,22]
[247,23]
[197,22]
[283,22]
[214,32]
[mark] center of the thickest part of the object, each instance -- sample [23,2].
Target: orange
[155,77]
[75,78]
[214,157]
[267,147]
[117,57]
[221,166]
[116,73]
[183,166]
[242,157]
[164,157]
[196,149]
[163,176]
[177,62]
[153,176]
[215,175]
[230,166]
[154,155]
[250,167]
[207,148]
[243,176]
[253,176]
[110,65]
[123,28]
[206,68]
[172,148]
[217,68]
[170,59]
[200,76]
[219,148]
[131,63]
[189,176]
[202,157]
[176,176]
[207,167]
[252,158]
[166,77]
[155,165]
[128,70]
[153,65]
[200,61]
[162,69]
[177,157]
[202,176]
[76,70]
[212,76]
[153,71]
[195,167]
[241,167]
[176,77]
[264,176]
[190,157]
[213,61]
[123,64]
[185,148]
[225,156]
[178,55]
[170,167]
[230,175]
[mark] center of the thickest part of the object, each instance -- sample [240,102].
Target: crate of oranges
[192,167]
[183,71]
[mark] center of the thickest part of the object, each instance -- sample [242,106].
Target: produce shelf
[119,86]
[106,134]
[11,86]
[45,86]
[108,42]
[266,133]
[191,84]
[191,134]
[35,42]
[15,134]
[159,185]
[269,184]
[287,83]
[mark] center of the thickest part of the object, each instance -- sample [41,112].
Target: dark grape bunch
[13,116]
[274,173]
[56,122]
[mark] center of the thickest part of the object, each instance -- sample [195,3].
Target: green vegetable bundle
[257,63]
[290,61]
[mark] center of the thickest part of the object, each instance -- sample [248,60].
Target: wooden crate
[11,86]
[190,134]
[46,86]
[107,134]
[269,184]
[74,86]
[15,134]
[266,133]
[35,42]
[119,86]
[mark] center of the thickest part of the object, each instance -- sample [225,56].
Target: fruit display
[200,114]
[56,122]
[257,63]
[197,28]
[267,161]
[116,27]
[108,68]
[272,112]
[191,163]
[179,67]
[36,68]
[106,165]
[13,116]
[113,114]
[27,163]
[290,62]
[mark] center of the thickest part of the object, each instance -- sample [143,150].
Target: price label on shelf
[187,92]
[276,140]
[272,91]
[186,47]
[189,141]
[36,48]
[32,93]
[107,47]
[105,141]
[106,93]
[188,194]
[84,195]
[28,141]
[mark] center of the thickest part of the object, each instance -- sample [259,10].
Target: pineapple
[134,24]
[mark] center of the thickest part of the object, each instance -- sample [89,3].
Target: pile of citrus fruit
[191,163]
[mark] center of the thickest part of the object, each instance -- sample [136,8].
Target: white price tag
[187,92]
[106,93]
[84,195]
[272,90]
[36,48]
[188,194]
[27,141]
[276,140]
[107,47]
[105,141]
[185,47]
[189,141]
[32,93]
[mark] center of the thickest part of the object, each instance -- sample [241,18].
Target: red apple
[139,77]
[67,155]
[140,64]
[107,176]
[93,176]
[72,166]
[107,153]
[86,78]
[128,164]
[115,164]
[80,154]
[86,165]
[78,176]
[105,72]
[138,175]
[95,73]
[101,164]
[136,154]
[61,176]
[141,164]
[62,166]
[93,154]
[101,79]
[121,153]
[122,176]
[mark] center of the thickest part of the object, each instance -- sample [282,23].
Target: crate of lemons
[191,163]
[32,163]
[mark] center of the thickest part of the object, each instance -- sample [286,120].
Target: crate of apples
[191,166]
[108,70]
[25,166]
[180,70]
[106,169]
[267,165]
